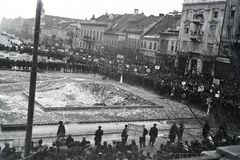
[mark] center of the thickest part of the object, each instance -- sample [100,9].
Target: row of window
[198,30]
[82,44]
[92,34]
[196,46]
[215,12]
[151,45]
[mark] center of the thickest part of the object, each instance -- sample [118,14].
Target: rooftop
[168,21]
[201,1]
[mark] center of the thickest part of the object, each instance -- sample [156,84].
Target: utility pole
[33,82]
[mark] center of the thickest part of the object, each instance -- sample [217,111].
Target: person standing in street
[124,135]
[142,140]
[173,132]
[153,134]
[61,130]
[98,136]
[180,132]
[206,129]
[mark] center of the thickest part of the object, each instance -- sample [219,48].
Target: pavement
[112,131]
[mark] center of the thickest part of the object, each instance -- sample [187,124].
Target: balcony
[87,38]
[198,19]
[195,37]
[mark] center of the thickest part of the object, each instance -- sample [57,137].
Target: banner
[216,81]
[119,56]
[200,88]
[157,67]
[135,130]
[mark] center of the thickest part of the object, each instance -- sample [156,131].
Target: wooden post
[33,82]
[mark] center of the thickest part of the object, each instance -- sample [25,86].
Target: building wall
[133,40]
[149,48]
[94,33]
[200,31]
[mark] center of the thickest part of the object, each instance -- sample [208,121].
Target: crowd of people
[163,80]
[66,147]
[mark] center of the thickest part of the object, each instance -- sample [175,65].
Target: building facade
[200,32]
[153,46]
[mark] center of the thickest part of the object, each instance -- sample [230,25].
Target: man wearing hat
[61,130]
[124,135]
[153,134]
[98,136]
[6,152]
[142,139]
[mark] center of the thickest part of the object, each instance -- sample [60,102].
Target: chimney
[161,15]
[175,12]
[135,11]
[111,16]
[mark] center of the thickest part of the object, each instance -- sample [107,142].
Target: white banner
[157,67]
[216,81]
[135,130]
[200,88]
[119,56]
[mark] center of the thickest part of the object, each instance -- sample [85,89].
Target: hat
[6,144]
[60,122]
[99,126]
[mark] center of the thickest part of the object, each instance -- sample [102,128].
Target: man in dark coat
[206,129]
[153,134]
[173,132]
[180,132]
[69,141]
[7,151]
[124,135]
[98,136]
[142,140]
[61,130]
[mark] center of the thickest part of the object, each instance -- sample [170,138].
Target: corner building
[199,35]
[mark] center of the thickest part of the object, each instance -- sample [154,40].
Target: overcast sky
[82,9]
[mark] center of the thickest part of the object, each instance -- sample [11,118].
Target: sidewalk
[112,131]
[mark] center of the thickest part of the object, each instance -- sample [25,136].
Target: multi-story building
[153,46]
[123,34]
[90,34]
[135,30]
[200,31]
[209,30]
[227,62]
